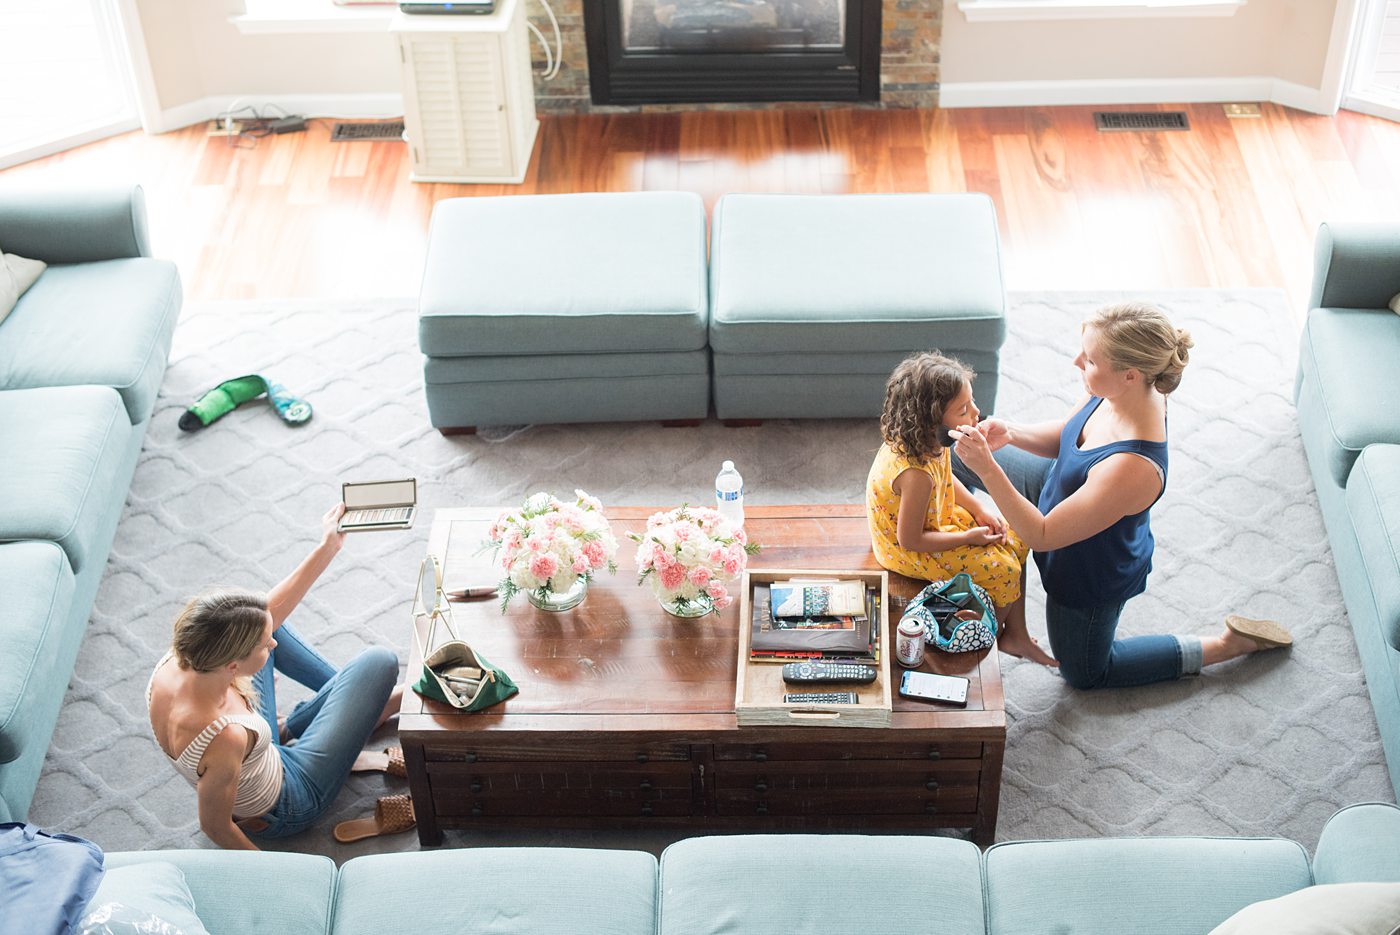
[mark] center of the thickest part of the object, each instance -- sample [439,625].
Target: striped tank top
[260,779]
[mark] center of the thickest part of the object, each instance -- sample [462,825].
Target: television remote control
[826,672]
[819,698]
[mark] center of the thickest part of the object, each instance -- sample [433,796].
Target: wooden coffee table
[625,716]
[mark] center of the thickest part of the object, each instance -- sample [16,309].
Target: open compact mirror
[431,600]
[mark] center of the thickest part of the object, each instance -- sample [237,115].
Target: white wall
[199,58]
[1264,41]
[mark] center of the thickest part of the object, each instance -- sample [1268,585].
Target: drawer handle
[476,785]
[647,809]
[931,785]
[469,757]
[477,811]
[642,757]
[760,786]
[934,754]
[930,809]
[761,756]
[646,785]
[762,808]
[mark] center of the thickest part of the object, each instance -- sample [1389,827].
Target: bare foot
[1024,646]
[1231,643]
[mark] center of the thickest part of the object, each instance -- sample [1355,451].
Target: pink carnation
[732,566]
[700,575]
[580,565]
[717,555]
[543,566]
[723,602]
[716,590]
[672,577]
[595,553]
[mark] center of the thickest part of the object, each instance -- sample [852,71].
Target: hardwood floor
[1232,202]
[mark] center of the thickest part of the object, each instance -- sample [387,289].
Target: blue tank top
[1112,566]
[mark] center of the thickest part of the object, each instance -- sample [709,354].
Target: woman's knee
[378,663]
[1082,677]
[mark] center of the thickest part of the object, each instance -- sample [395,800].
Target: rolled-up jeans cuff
[1189,651]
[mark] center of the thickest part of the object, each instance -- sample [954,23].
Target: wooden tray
[759,686]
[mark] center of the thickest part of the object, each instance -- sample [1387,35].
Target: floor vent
[1145,120]
[344,132]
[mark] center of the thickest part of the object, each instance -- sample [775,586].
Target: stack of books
[823,619]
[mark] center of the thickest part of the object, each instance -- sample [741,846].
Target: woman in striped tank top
[214,714]
[1079,491]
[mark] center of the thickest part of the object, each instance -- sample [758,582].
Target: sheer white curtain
[1375,78]
[63,76]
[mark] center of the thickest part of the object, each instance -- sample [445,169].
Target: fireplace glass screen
[733,26]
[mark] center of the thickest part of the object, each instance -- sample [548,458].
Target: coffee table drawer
[502,789]
[811,788]
[907,750]
[556,751]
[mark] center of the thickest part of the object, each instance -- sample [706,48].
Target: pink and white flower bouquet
[550,549]
[686,554]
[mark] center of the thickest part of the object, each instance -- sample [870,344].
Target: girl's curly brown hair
[916,395]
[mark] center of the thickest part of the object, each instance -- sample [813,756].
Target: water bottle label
[729,494]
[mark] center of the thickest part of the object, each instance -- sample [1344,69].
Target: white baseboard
[49,147]
[1374,106]
[367,106]
[1128,91]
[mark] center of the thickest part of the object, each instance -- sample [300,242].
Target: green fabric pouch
[453,672]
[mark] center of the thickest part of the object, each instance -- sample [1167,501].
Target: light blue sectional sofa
[786,884]
[81,358]
[1348,397]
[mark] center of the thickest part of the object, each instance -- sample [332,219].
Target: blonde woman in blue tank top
[1080,490]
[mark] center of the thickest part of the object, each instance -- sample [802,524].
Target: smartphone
[928,686]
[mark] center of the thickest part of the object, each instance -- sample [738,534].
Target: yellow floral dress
[997,568]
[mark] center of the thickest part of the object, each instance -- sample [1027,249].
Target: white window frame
[978,11]
[1362,95]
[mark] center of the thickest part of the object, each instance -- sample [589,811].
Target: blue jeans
[330,728]
[1082,638]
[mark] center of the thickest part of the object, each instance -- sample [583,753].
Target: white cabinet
[469,98]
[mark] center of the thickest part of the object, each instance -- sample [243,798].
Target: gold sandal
[389,760]
[1267,633]
[392,814]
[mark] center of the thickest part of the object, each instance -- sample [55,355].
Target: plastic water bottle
[729,494]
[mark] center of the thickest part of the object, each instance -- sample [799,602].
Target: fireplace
[729,51]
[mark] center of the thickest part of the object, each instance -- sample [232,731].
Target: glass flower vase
[693,607]
[548,599]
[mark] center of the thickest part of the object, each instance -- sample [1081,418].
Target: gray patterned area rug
[1269,745]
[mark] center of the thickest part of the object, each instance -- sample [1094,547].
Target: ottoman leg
[451,430]
[741,423]
[679,423]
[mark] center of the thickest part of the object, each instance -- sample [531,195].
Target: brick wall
[908,61]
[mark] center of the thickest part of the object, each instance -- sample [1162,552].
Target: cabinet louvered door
[455,106]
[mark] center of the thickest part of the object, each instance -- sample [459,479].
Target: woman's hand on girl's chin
[996,431]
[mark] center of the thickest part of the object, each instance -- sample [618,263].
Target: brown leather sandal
[1267,633]
[389,760]
[392,814]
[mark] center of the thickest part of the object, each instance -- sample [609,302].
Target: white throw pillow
[1330,909]
[142,899]
[16,275]
[1395,303]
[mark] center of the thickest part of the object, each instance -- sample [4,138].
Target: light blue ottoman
[565,308]
[815,298]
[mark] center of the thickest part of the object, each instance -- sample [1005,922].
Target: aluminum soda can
[909,644]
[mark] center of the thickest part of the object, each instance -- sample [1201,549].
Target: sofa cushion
[1359,844]
[248,891]
[1351,355]
[107,323]
[763,884]
[1160,885]
[62,465]
[565,274]
[1373,503]
[37,585]
[155,892]
[521,889]
[854,273]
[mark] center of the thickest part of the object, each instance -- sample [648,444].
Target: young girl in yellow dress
[923,522]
